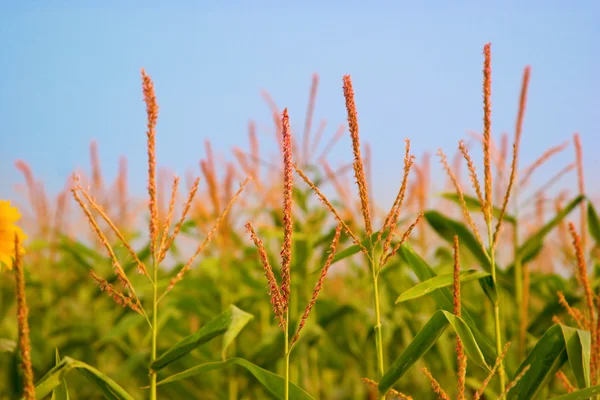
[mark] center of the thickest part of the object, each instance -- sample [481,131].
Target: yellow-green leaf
[438,282]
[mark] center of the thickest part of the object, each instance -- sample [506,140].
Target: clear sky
[71,73]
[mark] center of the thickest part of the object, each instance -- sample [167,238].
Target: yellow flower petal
[8,217]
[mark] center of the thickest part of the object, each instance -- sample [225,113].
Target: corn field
[283,277]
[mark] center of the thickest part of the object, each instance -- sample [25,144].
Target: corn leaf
[109,388]
[558,345]
[425,339]
[438,282]
[275,384]
[350,251]
[578,349]
[593,223]
[444,300]
[489,287]
[474,204]
[447,228]
[60,392]
[534,241]
[228,323]
[582,394]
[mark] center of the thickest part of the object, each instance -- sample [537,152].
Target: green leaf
[558,345]
[60,392]
[533,242]
[582,394]
[489,287]
[444,299]
[447,228]
[578,349]
[275,384]
[231,320]
[438,282]
[242,318]
[593,223]
[350,251]
[55,376]
[425,339]
[474,204]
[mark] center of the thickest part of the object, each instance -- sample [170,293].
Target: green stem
[154,331]
[519,292]
[518,276]
[496,309]
[378,333]
[287,357]
[233,383]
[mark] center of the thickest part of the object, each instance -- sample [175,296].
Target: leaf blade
[231,319]
[593,223]
[425,339]
[54,377]
[438,282]
[545,359]
[443,298]
[275,384]
[533,241]
[474,204]
[582,394]
[447,228]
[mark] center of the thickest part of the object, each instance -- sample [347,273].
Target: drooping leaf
[109,388]
[438,282]
[231,320]
[558,345]
[275,384]
[425,339]
[578,345]
[240,321]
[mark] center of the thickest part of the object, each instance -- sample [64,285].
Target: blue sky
[70,74]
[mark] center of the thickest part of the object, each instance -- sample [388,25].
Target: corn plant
[289,286]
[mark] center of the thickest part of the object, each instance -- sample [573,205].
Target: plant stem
[519,277]
[154,330]
[496,309]
[232,378]
[378,334]
[287,357]
[233,383]
[519,291]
